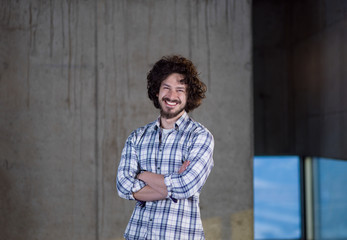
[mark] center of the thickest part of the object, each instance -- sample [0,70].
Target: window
[330,198]
[277,204]
[278,208]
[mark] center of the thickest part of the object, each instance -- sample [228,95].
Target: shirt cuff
[168,183]
[138,185]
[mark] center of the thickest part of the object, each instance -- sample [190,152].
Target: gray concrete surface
[320,83]
[73,87]
[300,75]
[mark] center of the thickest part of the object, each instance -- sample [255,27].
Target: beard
[170,114]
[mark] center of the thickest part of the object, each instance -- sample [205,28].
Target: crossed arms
[155,188]
[149,186]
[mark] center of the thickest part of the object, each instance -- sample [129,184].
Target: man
[165,164]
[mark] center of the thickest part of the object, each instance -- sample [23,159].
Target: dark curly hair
[176,64]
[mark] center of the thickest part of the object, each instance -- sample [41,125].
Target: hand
[184,166]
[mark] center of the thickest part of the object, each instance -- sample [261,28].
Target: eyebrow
[179,87]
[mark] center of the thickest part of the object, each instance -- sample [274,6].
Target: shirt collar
[178,124]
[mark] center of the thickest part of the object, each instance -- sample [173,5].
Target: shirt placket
[151,220]
[159,153]
[151,206]
[160,157]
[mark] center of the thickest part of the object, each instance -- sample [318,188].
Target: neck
[169,123]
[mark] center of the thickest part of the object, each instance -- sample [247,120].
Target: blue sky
[276,197]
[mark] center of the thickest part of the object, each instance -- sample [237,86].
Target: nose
[172,94]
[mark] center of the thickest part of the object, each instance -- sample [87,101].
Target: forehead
[174,79]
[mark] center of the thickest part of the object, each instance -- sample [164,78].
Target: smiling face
[172,96]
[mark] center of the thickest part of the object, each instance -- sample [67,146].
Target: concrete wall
[272,101]
[320,80]
[300,77]
[73,87]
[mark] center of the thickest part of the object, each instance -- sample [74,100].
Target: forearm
[147,194]
[155,181]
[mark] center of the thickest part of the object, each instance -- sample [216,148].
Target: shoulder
[142,131]
[196,129]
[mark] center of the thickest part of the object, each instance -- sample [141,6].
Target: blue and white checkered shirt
[177,216]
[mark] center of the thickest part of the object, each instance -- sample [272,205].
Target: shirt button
[158,168]
[160,150]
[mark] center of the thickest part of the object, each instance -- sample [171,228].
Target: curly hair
[176,64]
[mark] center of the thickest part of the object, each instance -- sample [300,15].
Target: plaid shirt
[177,216]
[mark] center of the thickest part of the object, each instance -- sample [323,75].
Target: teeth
[171,103]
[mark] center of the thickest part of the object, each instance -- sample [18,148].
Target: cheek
[184,97]
[159,94]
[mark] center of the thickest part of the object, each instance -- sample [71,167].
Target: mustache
[168,99]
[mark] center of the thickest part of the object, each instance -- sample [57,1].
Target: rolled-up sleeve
[185,185]
[126,180]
